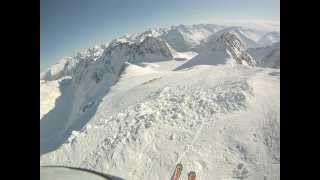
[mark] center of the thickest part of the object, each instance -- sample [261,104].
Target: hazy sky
[67,26]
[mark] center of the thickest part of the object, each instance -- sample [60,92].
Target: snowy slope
[213,119]
[268,56]
[226,48]
[90,75]
[138,105]
[49,92]
[269,38]
[248,37]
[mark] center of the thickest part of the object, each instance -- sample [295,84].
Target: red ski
[192,175]
[177,172]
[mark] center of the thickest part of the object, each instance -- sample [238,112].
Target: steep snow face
[269,38]
[80,93]
[68,66]
[216,120]
[91,74]
[226,48]
[49,92]
[248,37]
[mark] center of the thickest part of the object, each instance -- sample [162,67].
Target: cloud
[260,24]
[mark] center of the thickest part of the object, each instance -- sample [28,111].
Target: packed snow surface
[130,111]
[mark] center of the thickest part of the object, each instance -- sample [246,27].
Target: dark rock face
[152,45]
[236,49]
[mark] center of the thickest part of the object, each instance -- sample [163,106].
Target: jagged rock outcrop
[236,50]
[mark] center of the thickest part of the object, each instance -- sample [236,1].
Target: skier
[177,173]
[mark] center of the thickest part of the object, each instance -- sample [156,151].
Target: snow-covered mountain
[203,95]
[269,38]
[184,38]
[156,43]
[273,58]
[225,48]
[248,37]
[267,56]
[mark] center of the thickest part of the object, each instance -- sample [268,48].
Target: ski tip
[179,165]
[192,175]
[177,172]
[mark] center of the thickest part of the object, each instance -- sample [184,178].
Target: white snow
[132,111]
[49,92]
[180,56]
[135,70]
[210,118]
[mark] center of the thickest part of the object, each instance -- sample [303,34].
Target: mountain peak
[154,45]
[236,49]
[158,44]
